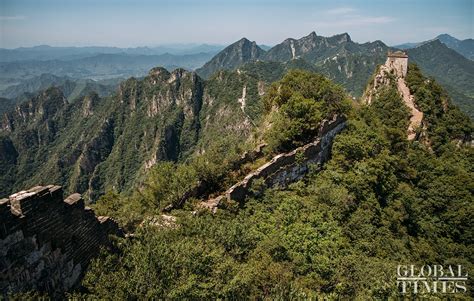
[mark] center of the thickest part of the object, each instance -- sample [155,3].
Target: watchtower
[397,61]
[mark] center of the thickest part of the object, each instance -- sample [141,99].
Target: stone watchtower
[397,61]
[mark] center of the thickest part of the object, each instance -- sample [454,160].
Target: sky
[132,23]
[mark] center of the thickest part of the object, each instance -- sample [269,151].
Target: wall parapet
[47,242]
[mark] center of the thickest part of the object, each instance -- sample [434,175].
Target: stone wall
[284,168]
[201,189]
[47,242]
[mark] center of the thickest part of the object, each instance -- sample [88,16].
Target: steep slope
[163,117]
[450,68]
[234,55]
[464,47]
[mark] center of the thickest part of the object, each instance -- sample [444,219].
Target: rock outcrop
[47,242]
[284,168]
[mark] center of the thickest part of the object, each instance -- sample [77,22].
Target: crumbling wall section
[284,168]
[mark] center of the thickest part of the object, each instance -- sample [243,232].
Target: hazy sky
[130,23]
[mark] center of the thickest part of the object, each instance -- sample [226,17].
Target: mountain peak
[312,35]
[343,37]
[446,36]
[232,56]
[244,40]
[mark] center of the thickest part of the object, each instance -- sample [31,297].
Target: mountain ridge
[351,64]
[464,47]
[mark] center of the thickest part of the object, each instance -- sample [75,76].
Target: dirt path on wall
[416,115]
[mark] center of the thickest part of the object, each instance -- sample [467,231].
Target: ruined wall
[46,242]
[285,168]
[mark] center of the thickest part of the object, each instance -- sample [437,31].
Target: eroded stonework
[47,242]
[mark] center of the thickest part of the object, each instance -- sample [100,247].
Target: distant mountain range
[71,88]
[351,64]
[102,66]
[464,47]
[338,57]
[45,52]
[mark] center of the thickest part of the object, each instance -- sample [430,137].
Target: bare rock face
[89,103]
[47,242]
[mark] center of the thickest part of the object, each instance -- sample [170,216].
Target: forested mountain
[234,94]
[451,69]
[338,57]
[165,116]
[339,233]
[351,64]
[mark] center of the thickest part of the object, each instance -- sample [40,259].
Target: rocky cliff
[164,116]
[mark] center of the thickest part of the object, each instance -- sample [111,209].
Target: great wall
[47,242]
[284,168]
[397,65]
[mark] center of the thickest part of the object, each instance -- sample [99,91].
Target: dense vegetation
[339,234]
[301,100]
[443,121]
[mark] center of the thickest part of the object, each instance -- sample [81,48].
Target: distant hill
[72,88]
[102,65]
[463,47]
[46,53]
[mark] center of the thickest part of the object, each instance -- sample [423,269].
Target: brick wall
[47,242]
